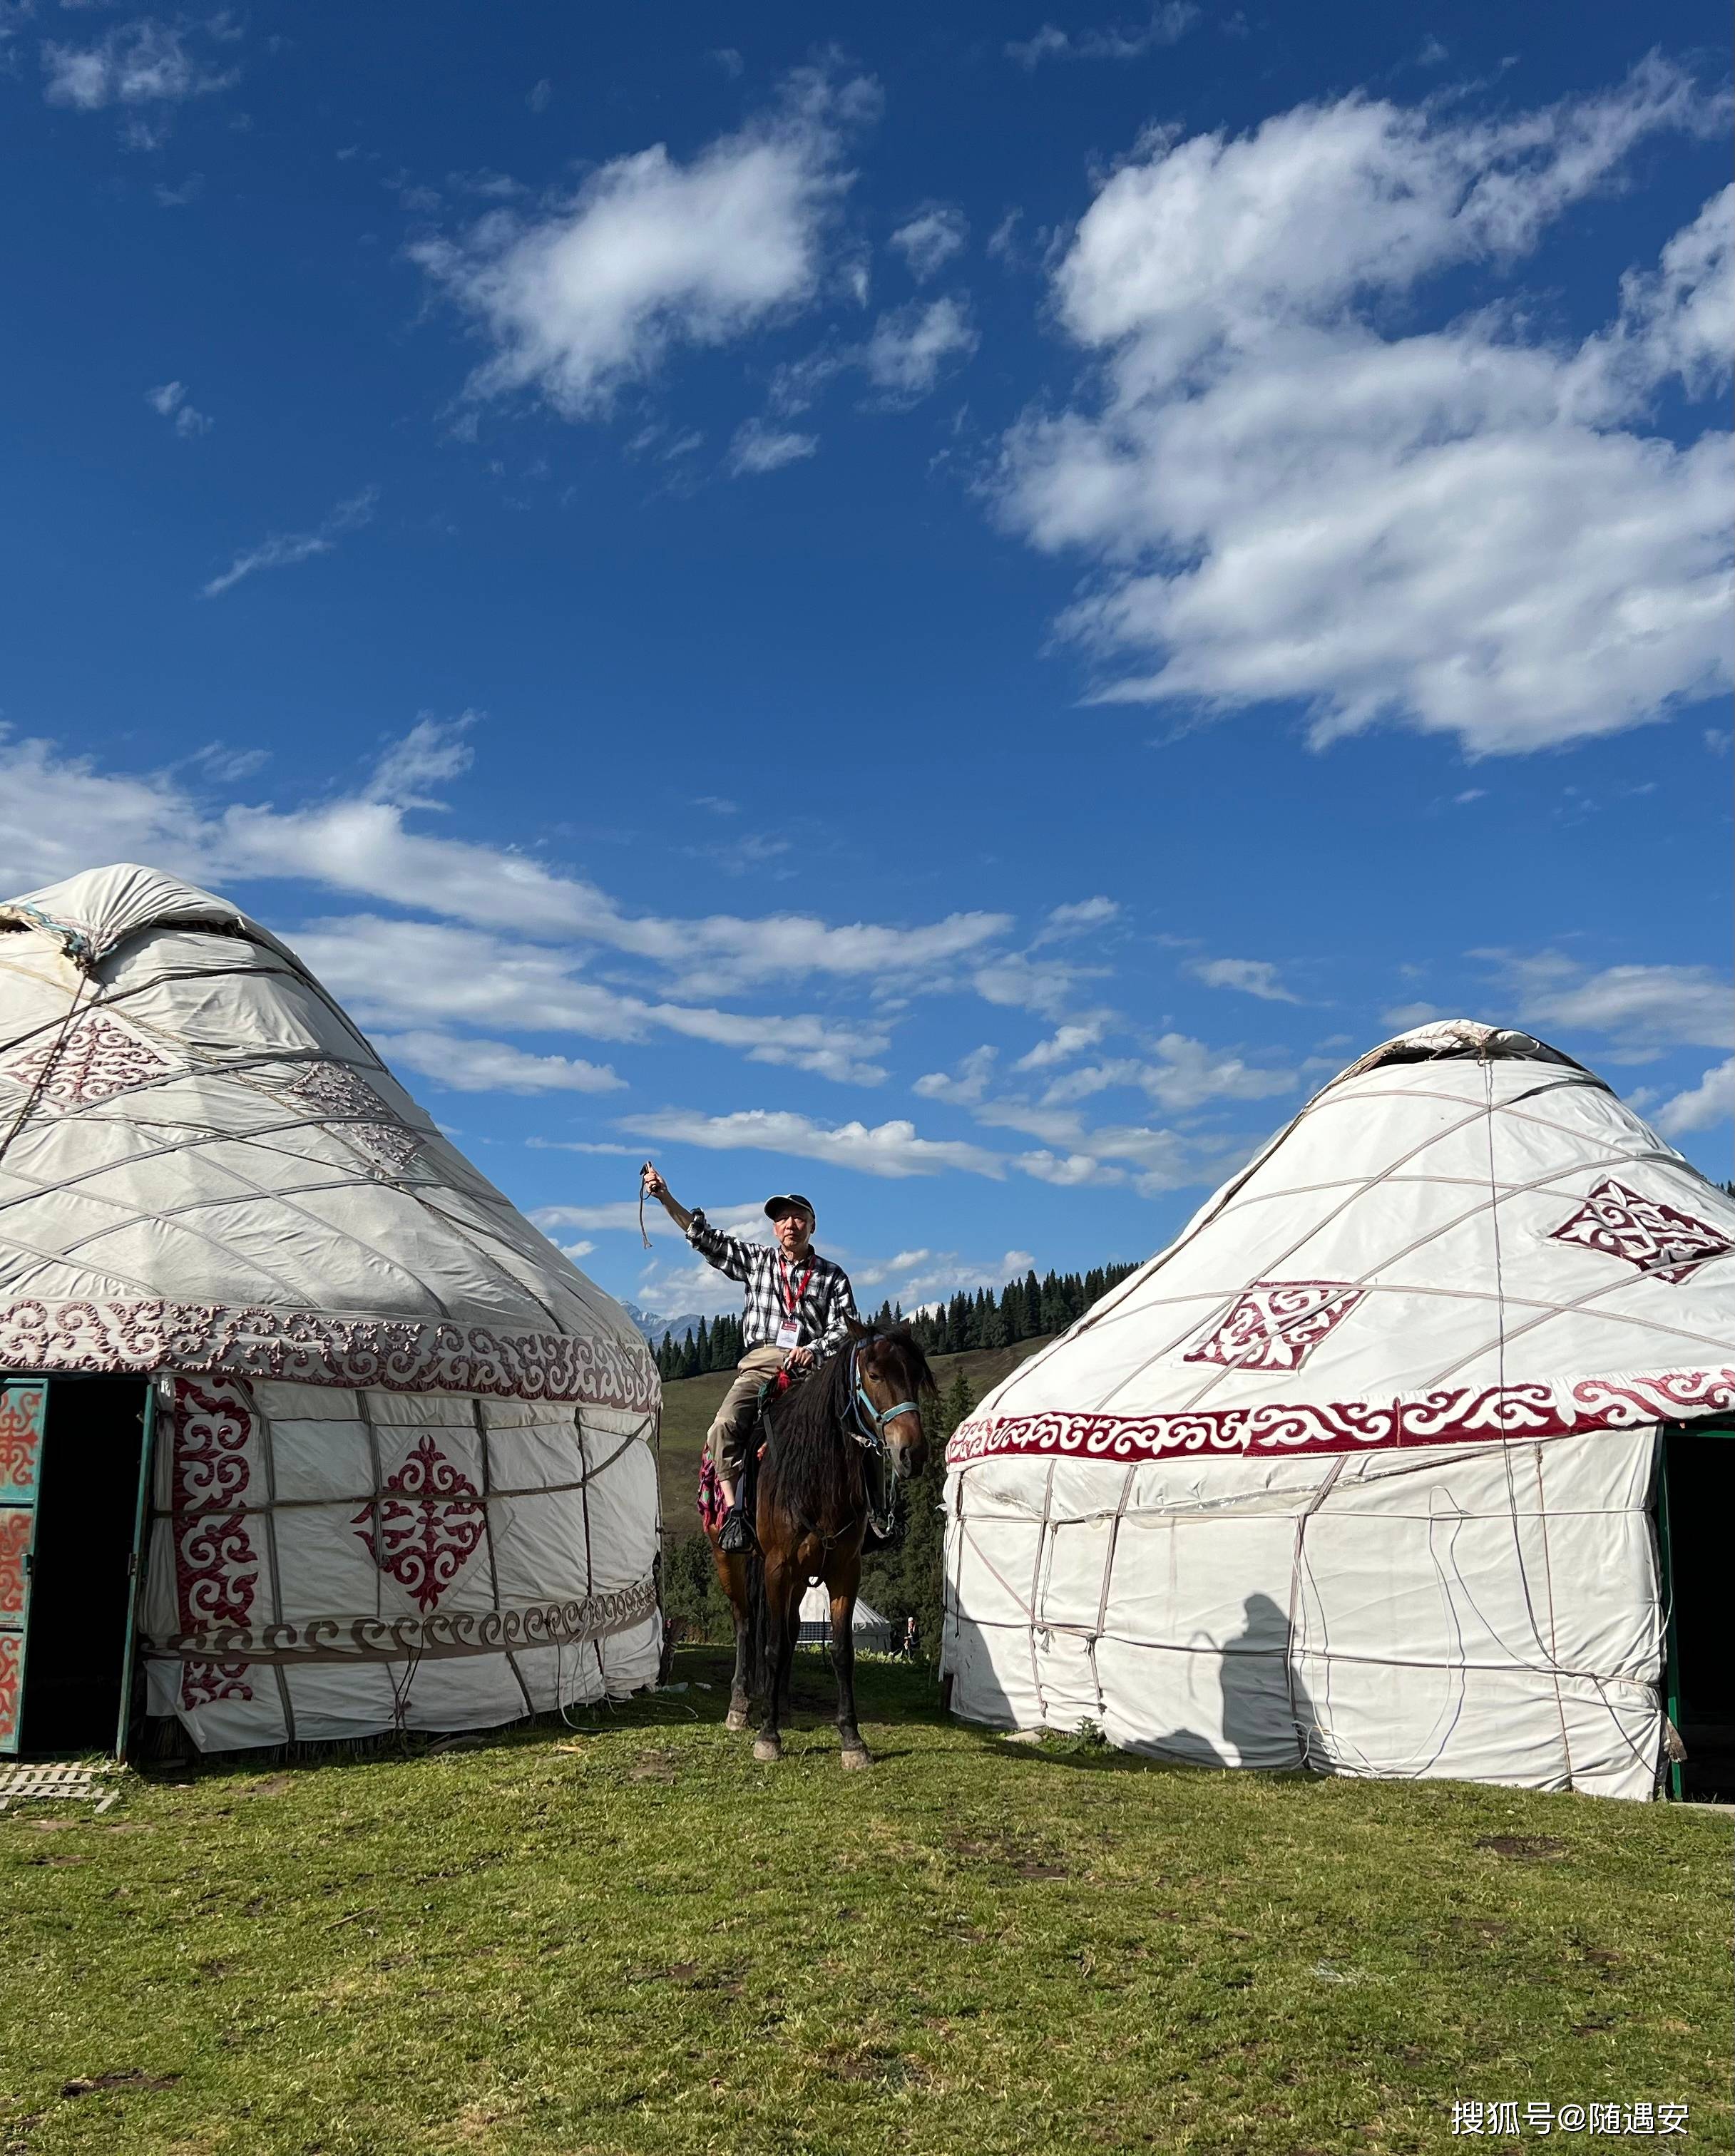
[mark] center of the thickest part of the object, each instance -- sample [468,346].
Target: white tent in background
[1360,1473]
[871,1631]
[395,1450]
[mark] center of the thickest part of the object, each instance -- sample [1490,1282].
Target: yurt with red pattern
[305,1432]
[1413,1455]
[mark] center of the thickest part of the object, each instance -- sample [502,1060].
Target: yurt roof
[204,1166]
[816,1609]
[1466,1235]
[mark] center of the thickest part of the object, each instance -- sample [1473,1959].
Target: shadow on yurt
[306,1433]
[1414,1455]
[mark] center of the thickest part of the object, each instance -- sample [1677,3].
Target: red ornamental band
[1451,1415]
[403,1355]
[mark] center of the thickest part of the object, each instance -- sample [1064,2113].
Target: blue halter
[871,1421]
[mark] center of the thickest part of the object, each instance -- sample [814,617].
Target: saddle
[888,1510]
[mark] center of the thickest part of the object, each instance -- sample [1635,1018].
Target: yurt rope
[486,1450]
[47,1071]
[1551,1650]
[267,1460]
[1297,1613]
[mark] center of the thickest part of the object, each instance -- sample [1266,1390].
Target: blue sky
[947,607]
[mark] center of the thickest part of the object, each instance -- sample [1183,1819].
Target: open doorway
[1695,1507]
[82,1568]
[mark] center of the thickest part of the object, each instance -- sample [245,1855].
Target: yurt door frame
[23,1408]
[1673,1521]
[27,1419]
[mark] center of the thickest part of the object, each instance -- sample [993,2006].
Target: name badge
[790,1335]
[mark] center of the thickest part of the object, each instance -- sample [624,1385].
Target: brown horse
[811,1516]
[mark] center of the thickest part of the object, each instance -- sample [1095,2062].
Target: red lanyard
[792,1302]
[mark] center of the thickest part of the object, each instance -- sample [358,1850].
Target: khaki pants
[733,1423]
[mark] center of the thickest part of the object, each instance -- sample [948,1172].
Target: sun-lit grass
[633,1940]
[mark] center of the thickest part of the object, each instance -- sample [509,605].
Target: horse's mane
[810,1459]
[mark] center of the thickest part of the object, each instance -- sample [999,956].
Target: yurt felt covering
[403,1473]
[1358,1475]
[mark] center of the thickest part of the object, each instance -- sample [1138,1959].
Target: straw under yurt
[297,1413]
[1372,1470]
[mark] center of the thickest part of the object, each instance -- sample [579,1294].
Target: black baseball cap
[789,1201]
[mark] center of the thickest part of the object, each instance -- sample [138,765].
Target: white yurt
[1372,1470]
[870,1630]
[296,1411]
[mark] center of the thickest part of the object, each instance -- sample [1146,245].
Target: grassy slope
[690,1403]
[635,1940]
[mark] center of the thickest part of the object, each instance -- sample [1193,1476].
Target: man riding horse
[835,1444]
[799,1307]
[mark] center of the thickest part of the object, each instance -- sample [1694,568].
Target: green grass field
[690,1403]
[632,1940]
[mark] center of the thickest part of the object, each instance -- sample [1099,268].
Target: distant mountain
[654,1327]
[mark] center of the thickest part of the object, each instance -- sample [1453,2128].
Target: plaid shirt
[823,1308]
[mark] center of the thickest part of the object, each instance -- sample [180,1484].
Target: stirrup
[735,1536]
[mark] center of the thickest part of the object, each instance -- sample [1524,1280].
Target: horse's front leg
[780,1645]
[732,1578]
[740,1701]
[843,1590]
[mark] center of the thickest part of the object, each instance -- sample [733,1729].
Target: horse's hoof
[768,1751]
[737,1719]
[856,1760]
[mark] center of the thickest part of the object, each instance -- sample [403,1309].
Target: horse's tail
[760,1659]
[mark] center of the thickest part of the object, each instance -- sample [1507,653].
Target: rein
[869,1431]
[865,1425]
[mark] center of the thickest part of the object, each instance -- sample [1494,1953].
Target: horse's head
[893,1376]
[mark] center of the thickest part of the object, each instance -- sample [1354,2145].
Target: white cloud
[141,63]
[910,346]
[582,1145]
[942,1274]
[1064,921]
[1403,1016]
[169,400]
[470,1065]
[413,972]
[1710,1102]
[362,846]
[58,815]
[539,95]
[969,1085]
[1678,321]
[931,238]
[652,253]
[575,1251]
[1643,1010]
[1069,1171]
[433,751]
[61,815]
[1253,977]
[890,1149]
[621,1216]
[1061,1045]
[1185,1076]
[1168,21]
[1464,529]
[1018,981]
[284,550]
[757,448]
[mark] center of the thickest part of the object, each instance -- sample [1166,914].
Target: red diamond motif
[1276,1324]
[333,1090]
[1621,1224]
[98,1058]
[426,1524]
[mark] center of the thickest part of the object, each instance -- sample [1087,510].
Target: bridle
[870,1422]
